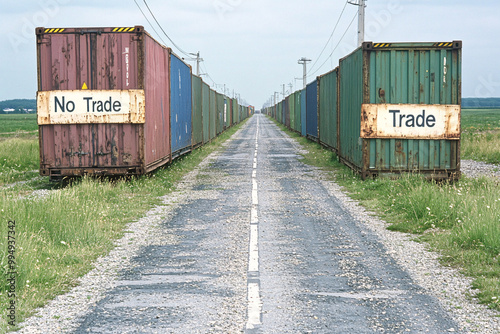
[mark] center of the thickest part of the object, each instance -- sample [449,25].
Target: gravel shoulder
[472,168]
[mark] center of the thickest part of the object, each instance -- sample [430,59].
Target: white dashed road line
[254,301]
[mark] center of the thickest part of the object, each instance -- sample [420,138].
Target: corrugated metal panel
[197,114]
[236,116]
[213,114]
[205,107]
[180,105]
[297,103]
[291,111]
[303,112]
[286,110]
[279,110]
[351,98]
[413,75]
[227,112]
[157,95]
[220,113]
[312,110]
[327,110]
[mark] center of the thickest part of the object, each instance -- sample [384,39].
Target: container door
[95,61]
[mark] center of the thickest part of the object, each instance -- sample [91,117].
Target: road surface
[261,246]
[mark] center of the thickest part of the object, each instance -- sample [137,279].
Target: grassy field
[58,236]
[12,125]
[461,220]
[481,135]
[19,154]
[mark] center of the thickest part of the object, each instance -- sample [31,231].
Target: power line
[159,25]
[331,35]
[336,46]
[152,27]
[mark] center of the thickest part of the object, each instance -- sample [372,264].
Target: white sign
[412,121]
[90,106]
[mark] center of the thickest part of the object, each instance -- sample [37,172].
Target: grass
[19,154]
[460,220]
[19,159]
[481,135]
[17,124]
[60,235]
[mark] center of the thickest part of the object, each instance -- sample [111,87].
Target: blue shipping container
[180,106]
[312,110]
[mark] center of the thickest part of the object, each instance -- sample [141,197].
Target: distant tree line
[488,102]
[19,105]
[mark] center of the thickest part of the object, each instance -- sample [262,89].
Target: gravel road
[255,241]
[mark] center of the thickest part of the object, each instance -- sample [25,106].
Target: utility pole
[291,87]
[361,20]
[304,61]
[198,59]
[283,91]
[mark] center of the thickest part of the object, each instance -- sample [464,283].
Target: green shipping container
[205,108]
[213,114]
[196,112]
[220,113]
[327,109]
[291,106]
[400,109]
[227,112]
[236,116]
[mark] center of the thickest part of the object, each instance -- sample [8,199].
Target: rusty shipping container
[103,101]
[400,109]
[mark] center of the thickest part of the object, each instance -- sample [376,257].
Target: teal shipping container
[328,109]
[399,109]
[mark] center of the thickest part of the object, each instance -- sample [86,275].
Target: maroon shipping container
[103,101]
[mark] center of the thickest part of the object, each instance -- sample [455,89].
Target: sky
[252,46]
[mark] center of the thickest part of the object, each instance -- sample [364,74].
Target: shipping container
[290,110]
[103,101]
[227,108]
[220,113]
[286,108]
[197,114]
[303,113]
[296,120]
[180,106]
[312,110]
[213,114]
[400,109]
[205,107]
[327,109]
[236,115]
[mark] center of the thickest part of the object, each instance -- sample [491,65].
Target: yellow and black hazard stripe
[120,29]
[53,30]
[443,44]
[381,45]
